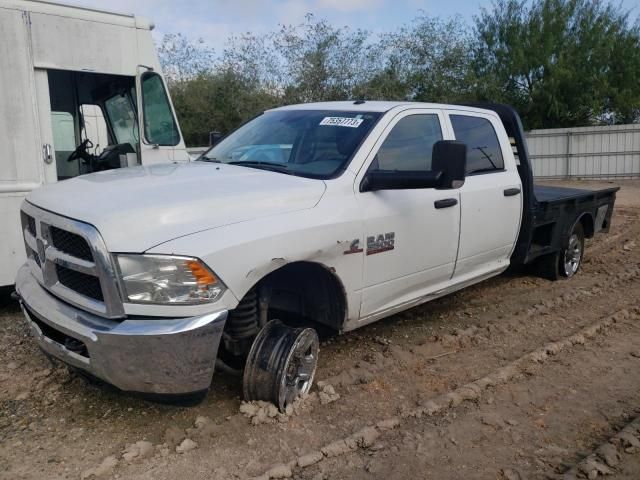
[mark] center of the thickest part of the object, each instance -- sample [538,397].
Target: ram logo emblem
[354,247]
[381,243]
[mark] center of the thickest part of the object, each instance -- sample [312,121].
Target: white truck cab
[81,91]
[331,214]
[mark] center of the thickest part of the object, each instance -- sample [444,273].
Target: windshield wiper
[202,158]
[278,167]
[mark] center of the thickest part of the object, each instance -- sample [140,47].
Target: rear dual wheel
[571,256]
[566,262]
[281,364]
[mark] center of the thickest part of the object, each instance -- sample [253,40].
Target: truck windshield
[308,143]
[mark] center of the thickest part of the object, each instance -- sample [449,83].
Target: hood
[137,208]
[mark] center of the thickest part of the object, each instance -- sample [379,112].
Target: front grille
[34,255]
[71,260]
[31,224]
[84,284]
[71,244]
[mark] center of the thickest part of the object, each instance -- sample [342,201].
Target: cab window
[409,145]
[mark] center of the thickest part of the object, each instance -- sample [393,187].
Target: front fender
[244,253]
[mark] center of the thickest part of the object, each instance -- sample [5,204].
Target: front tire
[281,364]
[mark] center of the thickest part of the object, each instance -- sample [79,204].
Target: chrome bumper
[159,356]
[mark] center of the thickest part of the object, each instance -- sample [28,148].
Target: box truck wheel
[281,364]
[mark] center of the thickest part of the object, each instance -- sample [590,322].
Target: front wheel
[281,364]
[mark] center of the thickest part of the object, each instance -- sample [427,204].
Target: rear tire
[566,262]
[548,266]
[571,255]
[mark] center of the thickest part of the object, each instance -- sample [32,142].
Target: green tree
[182,58]
[219,100]
[560,62]
[431,58]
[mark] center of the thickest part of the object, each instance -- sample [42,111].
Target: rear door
[410,236]
[160,138]
[491,197]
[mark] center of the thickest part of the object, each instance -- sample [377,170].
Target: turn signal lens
[202,274]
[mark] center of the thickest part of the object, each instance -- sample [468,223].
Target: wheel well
[307,292]
[586,220]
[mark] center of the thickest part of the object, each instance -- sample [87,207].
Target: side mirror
[214,137]
[399,180]
[450,158]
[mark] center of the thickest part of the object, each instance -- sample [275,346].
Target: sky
[215,20]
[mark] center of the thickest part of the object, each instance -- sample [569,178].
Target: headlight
[168,279]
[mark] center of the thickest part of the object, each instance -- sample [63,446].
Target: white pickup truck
[330,214]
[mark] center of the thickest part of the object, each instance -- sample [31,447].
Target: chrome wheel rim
[300,367]
[572,255]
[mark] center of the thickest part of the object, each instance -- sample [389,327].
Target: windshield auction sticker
[341,122]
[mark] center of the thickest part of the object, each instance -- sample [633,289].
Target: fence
[585,152]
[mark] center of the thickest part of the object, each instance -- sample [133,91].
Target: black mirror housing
[399,180]
[214,137]
[450,158]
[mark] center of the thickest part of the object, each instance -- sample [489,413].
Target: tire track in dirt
[604,460]
[364,371]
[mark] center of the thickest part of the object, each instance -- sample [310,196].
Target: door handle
[445,203]
[47,153]
[510,192]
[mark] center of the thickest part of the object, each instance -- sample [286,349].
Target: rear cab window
[484,153]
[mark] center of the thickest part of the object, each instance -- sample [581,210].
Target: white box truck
[81,90]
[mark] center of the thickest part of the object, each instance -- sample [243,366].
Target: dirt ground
[515,378]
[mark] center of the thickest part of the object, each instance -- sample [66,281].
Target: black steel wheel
[281,364]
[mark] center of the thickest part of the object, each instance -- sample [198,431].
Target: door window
[64,143]
[483,148]
[159,125]
[409,145]
[122,117]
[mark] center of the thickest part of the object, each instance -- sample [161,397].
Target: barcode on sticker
[341,122]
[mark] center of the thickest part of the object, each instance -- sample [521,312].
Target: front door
[411,236]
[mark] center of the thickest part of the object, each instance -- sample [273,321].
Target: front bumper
[157,356]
